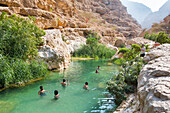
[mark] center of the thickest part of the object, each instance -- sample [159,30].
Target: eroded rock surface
[154,81]
[153,91]
[76,14]
[55,51]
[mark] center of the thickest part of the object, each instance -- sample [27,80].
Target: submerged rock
[6,107]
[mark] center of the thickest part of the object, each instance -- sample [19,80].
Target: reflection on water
[73,99]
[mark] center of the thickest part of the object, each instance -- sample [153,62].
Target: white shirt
[143,49]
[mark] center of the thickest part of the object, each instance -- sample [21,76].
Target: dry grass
[87,15]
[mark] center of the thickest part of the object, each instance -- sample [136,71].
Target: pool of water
[73,99]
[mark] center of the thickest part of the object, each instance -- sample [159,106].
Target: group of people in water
[42,92]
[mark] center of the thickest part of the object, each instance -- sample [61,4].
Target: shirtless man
[86,86]
[64,82]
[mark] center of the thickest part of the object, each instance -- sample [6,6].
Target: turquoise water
[73,99]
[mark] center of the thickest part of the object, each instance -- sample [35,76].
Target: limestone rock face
[160,51]
[75,37]
[75,14]
[154,81]
[140,41]
[46,12]
[113,12]
[55,51]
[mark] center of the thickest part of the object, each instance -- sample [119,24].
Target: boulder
[159,51]
[55,52]
[120,41]
[101,10]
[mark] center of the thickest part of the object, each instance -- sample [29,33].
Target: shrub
[38,69]
[161,37]
[93,49]
[147,48]
[117,88]
[93,35]
[122,46]
[6,72]
[129,89]
[17,71]
[123,50]
[136,47]
[22,73]
[19,37]
[92,41]
[126,80]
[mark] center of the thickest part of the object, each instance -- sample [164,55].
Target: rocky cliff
[74,19]
[157,27]
[109,13]
[154,81]
[153,91]
[51,14]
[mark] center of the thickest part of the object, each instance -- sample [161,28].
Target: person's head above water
[55,92]
[64,80]
[41,87]
[86,83]
[96,71]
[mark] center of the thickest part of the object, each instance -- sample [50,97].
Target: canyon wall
[74,19]
[154,81]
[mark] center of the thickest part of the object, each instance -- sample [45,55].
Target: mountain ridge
[138,10]
[157,17]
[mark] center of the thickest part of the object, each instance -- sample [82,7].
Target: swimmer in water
[64,82]
[56,95]
[98,67]
[42,91]
[97,71]
[86,86]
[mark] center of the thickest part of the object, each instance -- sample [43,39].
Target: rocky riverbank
[153,91]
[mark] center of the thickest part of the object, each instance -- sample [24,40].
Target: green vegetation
[123,50]
[161,37]
[19,40]
[93,49]
[125,81]
[19,37]
[63,38]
